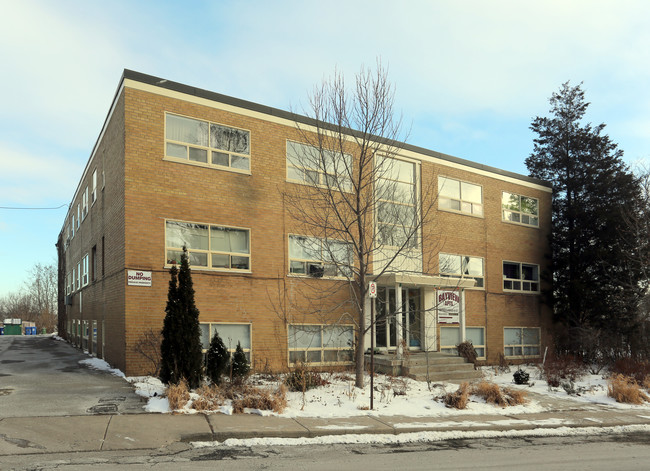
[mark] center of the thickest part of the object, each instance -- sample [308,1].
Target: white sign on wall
[448,303]
[139,278]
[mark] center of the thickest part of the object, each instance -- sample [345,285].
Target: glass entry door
[387,320]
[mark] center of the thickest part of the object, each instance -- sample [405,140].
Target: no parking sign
[372,289]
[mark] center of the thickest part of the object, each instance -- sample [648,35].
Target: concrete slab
[154,430]
[403,424]
[251,426]
[340,426]
[24,435]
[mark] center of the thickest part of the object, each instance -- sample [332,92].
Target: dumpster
[13,329]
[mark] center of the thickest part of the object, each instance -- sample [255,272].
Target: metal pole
[372,351]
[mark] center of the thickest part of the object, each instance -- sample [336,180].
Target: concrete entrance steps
[442,367]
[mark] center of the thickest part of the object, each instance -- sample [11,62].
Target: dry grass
[626,390]
[457,399]
[262,399]
[646,383]
[178,395]
[210,398]
[493,394]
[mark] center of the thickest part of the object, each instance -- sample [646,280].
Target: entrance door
[409,318]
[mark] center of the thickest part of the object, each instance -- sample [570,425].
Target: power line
[31,209]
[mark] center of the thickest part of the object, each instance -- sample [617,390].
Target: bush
[495,395]
[564,366]
[466,350]
[217,359]
[240,366]
[262,399]
[178,395]
[521,377]
[459,398]
[637,369]
[302,379]
[626,390]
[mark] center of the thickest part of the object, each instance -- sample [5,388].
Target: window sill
[446,210]
[213,270]
[206,165]
[303,183]
[520,224]
[522,357]
[514,291]
[308,277]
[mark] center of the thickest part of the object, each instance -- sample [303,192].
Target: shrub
[637,369]
[503,366]
[626,390]
[521,377]
[210,398]
[495,395]
[178,395]
[564,366]
[240,366]
[262,399]
[466,350]
[459,398]
[217,359]
[302,379]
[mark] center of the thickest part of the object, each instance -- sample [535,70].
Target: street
[615,452]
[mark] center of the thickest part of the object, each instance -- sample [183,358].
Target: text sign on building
[372,289]
[448,307]
[139,278]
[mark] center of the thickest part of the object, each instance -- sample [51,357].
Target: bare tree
[360,208]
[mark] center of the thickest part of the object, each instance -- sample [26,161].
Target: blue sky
[469,77]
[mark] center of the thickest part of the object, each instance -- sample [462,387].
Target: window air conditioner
[68,300]
[316,270]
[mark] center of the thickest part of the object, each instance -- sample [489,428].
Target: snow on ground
[98,364]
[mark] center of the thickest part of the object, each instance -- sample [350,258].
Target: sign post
[372,294]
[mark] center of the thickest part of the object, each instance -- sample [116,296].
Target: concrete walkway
[36,435]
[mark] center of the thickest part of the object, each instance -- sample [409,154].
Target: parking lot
[41,377]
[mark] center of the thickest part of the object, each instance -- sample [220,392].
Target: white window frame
[210,150]
[523,345]
[84,272]
[230,346]
[84,204]
[329,269]
[79,275]
[209,253]
[521,285]
[463,265]
[317,354]
[78,215]
[465,206]
[315,174]
[519,216]
[453,350]
[93,194]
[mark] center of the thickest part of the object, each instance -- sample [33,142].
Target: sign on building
[139,278]
[448,303]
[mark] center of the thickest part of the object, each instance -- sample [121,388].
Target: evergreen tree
[217,359]
[240,366]
[596,282]
[181,345]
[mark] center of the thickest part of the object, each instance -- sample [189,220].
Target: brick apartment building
[160,177]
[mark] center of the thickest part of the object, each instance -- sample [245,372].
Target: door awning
[425,281]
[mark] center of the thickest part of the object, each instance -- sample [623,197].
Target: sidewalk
[36,435]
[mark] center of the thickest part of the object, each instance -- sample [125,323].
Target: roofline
[278,113]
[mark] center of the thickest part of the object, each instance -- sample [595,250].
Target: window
[84,270]
[84,201]
[68,289]
[317,257]
[218,247]
[462,266]
[521,341]
[93,261]
[454,195]
[79,275]
[103,179]
[395,191]
[72,226]
[74,277]
[320,343]
[450,338]
[315,166]
[231,334]
[93,195]
[78,215]
[520,277]
[520,209]
[207,143]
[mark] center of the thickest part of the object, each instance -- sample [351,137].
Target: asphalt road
[41,377]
